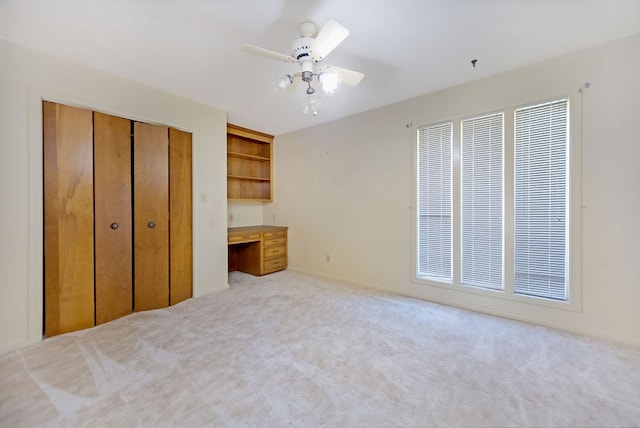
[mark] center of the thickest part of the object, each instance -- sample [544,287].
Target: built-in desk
[257,250]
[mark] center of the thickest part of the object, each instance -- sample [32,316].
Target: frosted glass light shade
[283,82]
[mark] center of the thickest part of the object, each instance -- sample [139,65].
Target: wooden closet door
[68,218]
[180,217]
[151,216]
[113,236]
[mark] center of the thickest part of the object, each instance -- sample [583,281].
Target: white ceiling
[406,48]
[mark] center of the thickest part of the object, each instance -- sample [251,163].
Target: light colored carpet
[293,350]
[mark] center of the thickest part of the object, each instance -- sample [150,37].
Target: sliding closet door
[68,218]
[151,216]
[113,237]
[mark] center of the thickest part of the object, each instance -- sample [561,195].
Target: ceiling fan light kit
[308,51]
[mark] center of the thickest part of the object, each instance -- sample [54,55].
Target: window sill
[572,305]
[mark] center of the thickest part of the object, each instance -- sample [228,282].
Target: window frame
[574,209]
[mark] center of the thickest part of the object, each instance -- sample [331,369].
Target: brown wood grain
[68,219]
[247,258]
[151,205]
[257,250]
[180,217]
[113,246]
[249,133]
[249,164]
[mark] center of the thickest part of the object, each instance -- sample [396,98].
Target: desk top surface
[260,228]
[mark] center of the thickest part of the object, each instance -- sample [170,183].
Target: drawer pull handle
[151,225]
[114,226]
[276,263]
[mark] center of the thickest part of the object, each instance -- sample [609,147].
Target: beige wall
[244,213]
[345,189]
[27,77]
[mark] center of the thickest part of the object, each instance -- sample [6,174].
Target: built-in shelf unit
[249,166]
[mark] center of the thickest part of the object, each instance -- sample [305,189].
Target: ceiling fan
[308,51]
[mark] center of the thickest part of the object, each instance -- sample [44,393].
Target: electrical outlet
[230,217]
[274,216]
[328,258]
[203,197]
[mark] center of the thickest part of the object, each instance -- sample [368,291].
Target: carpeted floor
[294,350]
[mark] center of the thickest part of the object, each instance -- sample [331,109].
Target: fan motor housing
[301,47]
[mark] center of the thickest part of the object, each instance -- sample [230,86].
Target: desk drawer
[274,252]
[275,234]
[273,265]
[275,242]
[243,237]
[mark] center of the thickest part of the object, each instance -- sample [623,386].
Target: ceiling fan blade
[330,36]
[255,50]
[349,77]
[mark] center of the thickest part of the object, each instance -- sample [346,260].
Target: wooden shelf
[241,177]
[249,166]
[246,156]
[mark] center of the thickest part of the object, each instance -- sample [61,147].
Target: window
[434,201]
[511,192]
[482,141]
[540,200]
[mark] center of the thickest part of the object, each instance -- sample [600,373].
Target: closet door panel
[180,217]
[151,216]
[113,236]
[68,219]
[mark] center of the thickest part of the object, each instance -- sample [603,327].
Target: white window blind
[434,201]
[482,171]
[540,200]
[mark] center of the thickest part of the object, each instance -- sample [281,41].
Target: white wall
[345,189]
[27,77]
[244,213]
